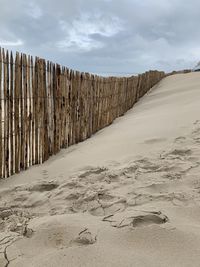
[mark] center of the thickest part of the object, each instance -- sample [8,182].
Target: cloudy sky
[105,36]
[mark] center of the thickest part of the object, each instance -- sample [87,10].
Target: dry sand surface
[128,196]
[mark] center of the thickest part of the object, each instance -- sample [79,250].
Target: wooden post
[1,148]
[29,114]
[33,110]
[36,111]
[25,115]
[5,114]
[12,121]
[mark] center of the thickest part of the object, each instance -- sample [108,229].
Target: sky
[107,37]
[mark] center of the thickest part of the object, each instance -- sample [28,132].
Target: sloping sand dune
[129,196]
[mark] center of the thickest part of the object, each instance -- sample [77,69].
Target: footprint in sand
[91,171]
[196,122]
[145,220]
[45,174]
[180,152]
[42,187]
[85,237]
[154,141]
[176,154]
[180,139]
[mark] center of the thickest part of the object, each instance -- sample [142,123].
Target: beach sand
[128,196]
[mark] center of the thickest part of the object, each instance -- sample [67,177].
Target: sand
[128,196]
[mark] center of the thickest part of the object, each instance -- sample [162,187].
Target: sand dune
[129,196]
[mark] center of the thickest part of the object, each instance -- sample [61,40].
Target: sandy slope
[129,196]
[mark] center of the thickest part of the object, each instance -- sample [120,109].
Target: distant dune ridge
[128,196]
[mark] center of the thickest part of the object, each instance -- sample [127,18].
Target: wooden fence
[45,107]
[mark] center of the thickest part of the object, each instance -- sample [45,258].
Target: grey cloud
[105,35]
